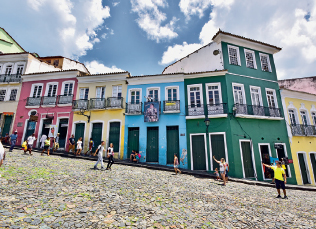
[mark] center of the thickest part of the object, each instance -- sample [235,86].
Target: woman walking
[46,146]
[176,164]
[222,168]
[110,156]
[79,146]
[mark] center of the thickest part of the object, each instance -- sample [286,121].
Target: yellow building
[99,110]
[300,114]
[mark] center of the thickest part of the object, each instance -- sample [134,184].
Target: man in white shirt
[30,141]
[100,150]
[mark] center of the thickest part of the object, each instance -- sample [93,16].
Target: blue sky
[144,36]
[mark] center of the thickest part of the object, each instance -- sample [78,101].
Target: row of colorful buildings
[223,100]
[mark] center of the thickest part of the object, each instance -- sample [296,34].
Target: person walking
[30,142]
[176,164]
[56,143]
[46,146]
[2,154]
[226,171]
[222,169]
[79,146]
[279,178]
[110,156]
[13,138]
[100,151]
[72,144]
[42,140]
[91,145]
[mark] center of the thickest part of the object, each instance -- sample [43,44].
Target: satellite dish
[216,52]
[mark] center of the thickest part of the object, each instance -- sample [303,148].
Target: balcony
[195,110]
[114,103]
[133,109]
[96,104]
[65,99]
[10,78]
[49,100]
[81,104]
[217,109]
[243,110]
[303,130]
[171,106]
[32,102]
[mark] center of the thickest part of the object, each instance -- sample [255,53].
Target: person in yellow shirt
[280,178]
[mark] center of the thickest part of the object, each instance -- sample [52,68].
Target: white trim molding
[306,166]
[263,144]
[252,157]
[285,152]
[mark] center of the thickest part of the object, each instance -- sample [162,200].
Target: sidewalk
[203,174]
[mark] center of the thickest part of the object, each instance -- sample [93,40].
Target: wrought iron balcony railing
[81,104]
[65,99]
[303,130]
[97,103]
[10,78]
[195,110]
[49,100]
[171,106]
[114,102]
[33,101]
[258,110]
[133,109]
[216,109]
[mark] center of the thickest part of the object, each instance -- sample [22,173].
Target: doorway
[265,158]
[152,144]
[133,140]
[7,125]
[218,149]
[199,160]
[45,126]
[281,154]
[248,166]
[30,129]
[114,135]
[96,134]
[79,131]
[313,161]
[172,143]
[62,130]
[303,168]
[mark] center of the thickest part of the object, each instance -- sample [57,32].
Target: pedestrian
[6,138]
[72,144]
[226,171]
[56,143]
[91,145]
[2,155]
[13,138]
[176,164]
[110,154]
[279,178]
[132,156]
[100,151]
[30,141]
[24,146]
[42,140]
[216,174]
[46,146]
[222,169]
[79,146]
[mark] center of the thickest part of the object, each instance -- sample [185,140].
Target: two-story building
[98,108]
[236,94]
[155,118]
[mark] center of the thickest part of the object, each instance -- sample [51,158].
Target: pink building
[48,98]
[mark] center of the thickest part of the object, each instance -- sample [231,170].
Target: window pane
[2,95]
[13,94]
[250,60]
[233,56]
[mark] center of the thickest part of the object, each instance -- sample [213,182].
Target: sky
[145,36]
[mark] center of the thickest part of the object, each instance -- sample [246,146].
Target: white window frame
[306,165]
[201,92]
[313,169]
[80,88]
[274,95]
[33,86]
[130,94]
[117,90]
[1,67]
[252,157]
[47,87]
[260,144]
[210,145]
[96,94]
[238,54]
[63,86]
[268,59]
[205,147]
[312,116]
[15,69]
[243,91]
[285,152]
[153,88]
[9,94]
[296,116]
[219,90]
[5,66]
[260,95]
[307,116]
[6,93]
[254,58]
[172,87]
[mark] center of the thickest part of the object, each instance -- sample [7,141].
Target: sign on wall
[52,131]
[151,112]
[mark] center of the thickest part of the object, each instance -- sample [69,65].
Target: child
[91,145]
[176,164]
[24,146]
[100,151]
[217,174]
[46,146]
[79,146]
[56,143]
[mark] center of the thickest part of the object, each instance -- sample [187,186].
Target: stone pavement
[56,192]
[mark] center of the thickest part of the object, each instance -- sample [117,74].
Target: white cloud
[151,19]
[194,7]
[115,3]
[95,67]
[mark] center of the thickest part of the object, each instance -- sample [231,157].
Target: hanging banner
[52,131]
[151,112]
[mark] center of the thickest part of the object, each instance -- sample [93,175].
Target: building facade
[155,119]
[300,114]
[99,110]
[238,92]
[8,44]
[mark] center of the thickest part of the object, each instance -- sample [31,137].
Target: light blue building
[155,123]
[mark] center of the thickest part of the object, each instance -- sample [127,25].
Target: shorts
[175,166]
[29,146]
[222,172]
[279,184]
[46,147]
[56,146]
[226,174]
[72,147]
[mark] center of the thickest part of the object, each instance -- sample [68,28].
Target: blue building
[155,123]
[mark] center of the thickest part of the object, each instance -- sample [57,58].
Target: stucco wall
[307,84]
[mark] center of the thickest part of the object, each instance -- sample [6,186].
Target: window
[292,117]
[213,94]
[172,94]
[13,94]
[153,94]
[52,90]
[100,92]
[135,97]
[304,118]
[2,94]
[8,69]
[37,91]
[0,68]
[265,62]
[195,96]
[68,88]
[117,91]
[271,98]
[20,68]
[84,92]
[250,59]
[239,94]
[255,96]
[233,53]
[56,63]
[314,117]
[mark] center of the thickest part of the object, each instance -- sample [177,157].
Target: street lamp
[207,123]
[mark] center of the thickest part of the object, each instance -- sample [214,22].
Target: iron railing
[33,101]
[133,108]
[81,104]
[215,109]
[65,99]
[303,130]
[171,106]
[49,100]
[97,103]
[195,110]
[258,110]
[10,78]
[114,102]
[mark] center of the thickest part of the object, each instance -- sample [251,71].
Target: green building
[235,87]
[8,44]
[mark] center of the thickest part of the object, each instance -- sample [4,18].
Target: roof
[308,77]
[12,39]
[178,73]
[244,38]
[108,73]
[284,88]
[37,73]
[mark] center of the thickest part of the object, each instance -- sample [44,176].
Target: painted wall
[175,119]
[7,44]
[307,84]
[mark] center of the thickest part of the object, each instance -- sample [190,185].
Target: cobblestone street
[54,192]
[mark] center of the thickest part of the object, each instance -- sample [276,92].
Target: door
[302,162]
[96,134]
[281,154]
[45,126]
[79,131]
[198,152]
[133,140]
[114,135]
[30,129]
[172,143]
[7,125]
[247,160]
[265,158]
[62,130]
[218,148]
[152,144]
[313,161]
